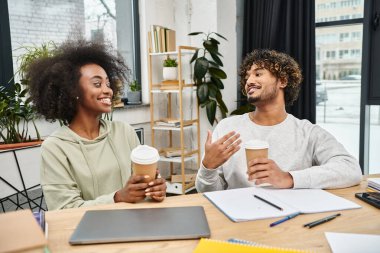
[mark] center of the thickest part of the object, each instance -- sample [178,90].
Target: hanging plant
[208,75]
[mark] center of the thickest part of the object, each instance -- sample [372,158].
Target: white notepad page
[241,205]
[353,243]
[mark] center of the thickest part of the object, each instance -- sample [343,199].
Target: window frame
[364,126]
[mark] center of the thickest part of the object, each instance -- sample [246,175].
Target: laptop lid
[147,224]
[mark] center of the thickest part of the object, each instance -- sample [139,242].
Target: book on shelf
[170,40]
[175,123]
[170,122]
[172,152]
[242,205]
[161,39]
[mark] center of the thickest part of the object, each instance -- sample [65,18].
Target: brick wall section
[33,22]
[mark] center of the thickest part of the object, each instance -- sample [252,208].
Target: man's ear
[283,82]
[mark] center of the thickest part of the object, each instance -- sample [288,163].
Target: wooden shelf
[159,88]
[175,134]
[167,128]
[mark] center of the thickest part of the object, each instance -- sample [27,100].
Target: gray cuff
[208,174]
[301,179]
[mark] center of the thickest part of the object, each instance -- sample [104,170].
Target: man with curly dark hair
[301,154]
[87,161]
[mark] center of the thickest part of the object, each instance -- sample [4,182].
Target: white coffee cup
[144,161]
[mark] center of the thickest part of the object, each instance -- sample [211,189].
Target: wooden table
[291,234]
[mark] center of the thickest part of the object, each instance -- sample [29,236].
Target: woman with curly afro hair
[86,162]
[301,154]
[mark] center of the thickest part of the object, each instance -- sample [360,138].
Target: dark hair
[281,65]
[54,80]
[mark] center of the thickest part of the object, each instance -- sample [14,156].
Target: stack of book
[161,39]
[168,122]
[374,184]
[172,152]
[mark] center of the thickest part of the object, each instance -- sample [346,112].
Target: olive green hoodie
[78,172]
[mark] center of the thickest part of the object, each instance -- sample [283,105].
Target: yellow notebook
[210,246]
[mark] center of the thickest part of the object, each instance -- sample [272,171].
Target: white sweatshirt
[313,157]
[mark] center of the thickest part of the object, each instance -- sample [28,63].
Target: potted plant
[169,71]
[208,75]
[134,93]
[17,113]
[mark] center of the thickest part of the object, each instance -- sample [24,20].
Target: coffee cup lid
[256,144]
[144,154]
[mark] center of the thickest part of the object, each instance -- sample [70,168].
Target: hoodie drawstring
[91,168]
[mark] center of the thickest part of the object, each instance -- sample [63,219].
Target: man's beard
[252,100]
[266,96]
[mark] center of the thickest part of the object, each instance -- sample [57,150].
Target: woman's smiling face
[96,94]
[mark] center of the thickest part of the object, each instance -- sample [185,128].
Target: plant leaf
[211,47]
[221,36]
[202,92]
[211,111]
[216,59]
[195,56]
[194,33]
[222,105]
[217,82]
[214,41]
[200,67]
[213,64]
[205,103]
[217,73]
[212,89]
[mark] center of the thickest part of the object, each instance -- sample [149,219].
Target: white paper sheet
[353,243]
[241,205]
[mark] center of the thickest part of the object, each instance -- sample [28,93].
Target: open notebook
[241,205]
[145,224]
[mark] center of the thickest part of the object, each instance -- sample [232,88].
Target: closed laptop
[147,224]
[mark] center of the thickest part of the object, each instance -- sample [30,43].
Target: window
[339,73]
[356,35]
[341,113]
[344,36]
[36,22]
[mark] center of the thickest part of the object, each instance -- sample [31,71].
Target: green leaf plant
[135,86]
[208,75]
[16,109]
[170,62]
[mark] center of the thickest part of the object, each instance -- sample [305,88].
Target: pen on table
[269,203]
[284,219]
[321,221]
